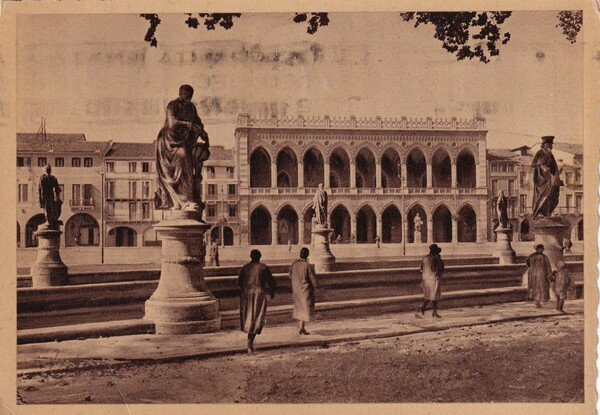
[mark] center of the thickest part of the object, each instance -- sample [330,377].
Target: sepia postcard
[319,207]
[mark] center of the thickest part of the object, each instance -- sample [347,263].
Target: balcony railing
[362,191]
[82,203]
[129,218]
[569,210]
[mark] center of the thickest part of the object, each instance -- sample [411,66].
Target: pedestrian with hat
[540,274]
[432,268]
[304,283]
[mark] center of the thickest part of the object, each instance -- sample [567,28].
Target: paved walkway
[79,354]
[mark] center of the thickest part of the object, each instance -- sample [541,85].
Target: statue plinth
[321,256]
[49,270]
[182,304]
[503,249]
[550,233]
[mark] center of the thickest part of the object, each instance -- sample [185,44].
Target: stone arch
[467,224]
[260,226]
[82,229]
[292,146]
[260,168]
[442,223]
[391,224]
[31,227]
[287,168]
[122,236]
[314,167]
[366,224]
[339,167]
[339,221]
[150,237]
[365,168]
[410,218]
[416,168]
[391,169]
[307,215]
[466,170]
[441,168]
[287,225]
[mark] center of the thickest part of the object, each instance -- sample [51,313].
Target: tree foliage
[570,21]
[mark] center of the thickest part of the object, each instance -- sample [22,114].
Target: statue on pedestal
[418,223]
[49,195]
[320,206]
[502,210]
[182,147]
[546,180]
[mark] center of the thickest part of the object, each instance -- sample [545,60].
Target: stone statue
[546,180]
[49,195]
[182,147]
[320,205]
[418,222]
[502,210]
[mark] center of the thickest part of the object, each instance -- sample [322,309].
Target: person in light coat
[432,268]
[304,282]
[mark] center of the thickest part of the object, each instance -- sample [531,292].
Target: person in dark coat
[539,273]
[432,267]
[562,284]
[255,282]
[304,282]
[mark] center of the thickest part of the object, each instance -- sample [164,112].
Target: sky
[95,75]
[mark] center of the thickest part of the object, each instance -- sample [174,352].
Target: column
[326,173]
[274,232]
[453,173]
[404,228]
[429,231]
[353,228]
[404,179]
[378,174]
[429,176]
[379,227]
[301,231]
[352,174]
[273,175]
[479,172]
[300,174]
[454,230]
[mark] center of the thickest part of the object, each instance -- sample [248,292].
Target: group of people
[540,278]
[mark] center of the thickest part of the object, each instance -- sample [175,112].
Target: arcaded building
[379,174]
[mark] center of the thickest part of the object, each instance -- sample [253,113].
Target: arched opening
[215,235]
[287,224]
[416,169]
[227,236]
[465,170]
[18,235]
[339,169]
[441,169]
[30,228]
[150,237]
[366,225]
[313,168]
[442,224]
[82,230]
[260,168]
[391,222]
[260,226]
[122,236]
[524,227]
[308,215]
[339,218]
[416,215]
[391,170]
[365,169]
[287,168]
[467,224]
[580,230]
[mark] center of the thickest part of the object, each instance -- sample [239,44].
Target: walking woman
[432,268]
[304,283]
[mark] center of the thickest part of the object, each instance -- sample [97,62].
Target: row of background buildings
[379,173]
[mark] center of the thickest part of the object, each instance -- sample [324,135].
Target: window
[232,211]
[231,189]
[145,167]
[132,166]
[210,172]
[145,190]
[212,189]
[76,194]
[494,188]
[20,161]
[42,161]
[522,203]
[578,202]
[110,189]
[132,190]
[511,187]
[230,172]
[569,178]
[110,208]
[59,162]
[523,178]
[211,211]
[75,162]
[577,177]
[110,166]
[569,201]
[23,193]
[132,210]
[145,210]
[88,162]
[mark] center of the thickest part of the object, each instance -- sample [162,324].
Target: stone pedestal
[49,270]
[182,304]
[321,255]
[503,249]
[550,233]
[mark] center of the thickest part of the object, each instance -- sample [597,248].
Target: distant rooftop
[67,143]
[496,154]
[352,122]
[575,149]
[130,150]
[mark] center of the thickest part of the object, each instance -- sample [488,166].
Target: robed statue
[320,206]
[418,224]
[546,180]
[182,147]
[502,210]
[49,195]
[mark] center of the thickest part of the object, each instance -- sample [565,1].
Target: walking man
[432,268]
[213,255]
[255,282]
[539,273]
[378,241]
[304,283]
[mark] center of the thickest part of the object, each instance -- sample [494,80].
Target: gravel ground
[528,361]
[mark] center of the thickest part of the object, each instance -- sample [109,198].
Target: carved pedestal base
[49,270]
[321,255]
[503,249]
[181,303]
